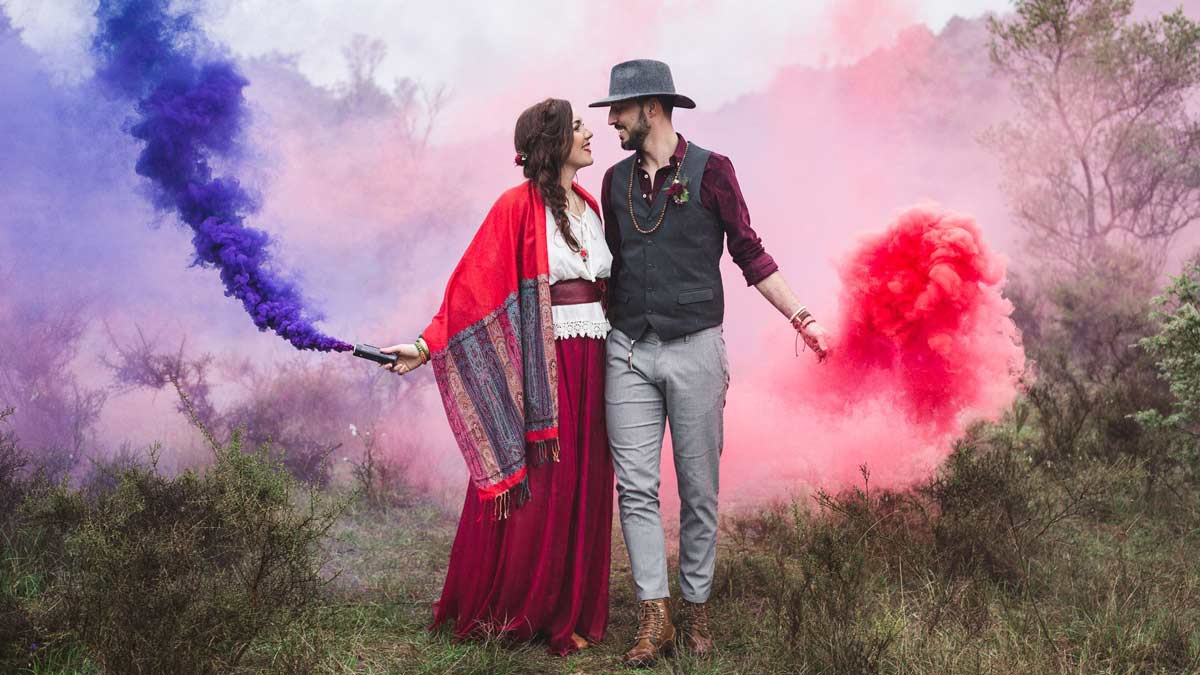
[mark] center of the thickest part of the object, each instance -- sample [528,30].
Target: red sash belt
[576,292]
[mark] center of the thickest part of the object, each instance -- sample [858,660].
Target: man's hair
[667,104]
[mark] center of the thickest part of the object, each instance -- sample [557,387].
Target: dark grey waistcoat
[669,280]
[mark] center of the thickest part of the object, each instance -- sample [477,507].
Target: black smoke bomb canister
[372,353]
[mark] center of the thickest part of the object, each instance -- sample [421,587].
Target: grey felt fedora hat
[642,77]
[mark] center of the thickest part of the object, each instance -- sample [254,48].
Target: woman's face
[581,144]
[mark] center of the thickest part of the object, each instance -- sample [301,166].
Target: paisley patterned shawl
[492,344]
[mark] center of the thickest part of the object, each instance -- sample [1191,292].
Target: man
[668,210]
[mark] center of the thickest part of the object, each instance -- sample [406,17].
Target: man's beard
[637,135]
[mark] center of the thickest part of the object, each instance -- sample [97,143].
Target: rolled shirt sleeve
[721,194]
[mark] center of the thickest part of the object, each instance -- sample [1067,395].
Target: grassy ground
[398,558]
[1117,592]
[994,567]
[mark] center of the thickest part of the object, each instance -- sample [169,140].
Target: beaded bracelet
[422,349]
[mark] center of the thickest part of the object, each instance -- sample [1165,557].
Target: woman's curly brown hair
[543,138]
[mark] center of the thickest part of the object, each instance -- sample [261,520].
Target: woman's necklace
[573,200]
[575,204]
[662,215]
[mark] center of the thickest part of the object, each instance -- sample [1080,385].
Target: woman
[518,354]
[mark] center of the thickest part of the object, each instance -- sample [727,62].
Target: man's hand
[409,359]
[815,338]
[776,290]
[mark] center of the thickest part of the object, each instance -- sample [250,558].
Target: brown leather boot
[655,634]
[697,638]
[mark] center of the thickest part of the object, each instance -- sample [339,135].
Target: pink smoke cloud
[923,321]
[859,26]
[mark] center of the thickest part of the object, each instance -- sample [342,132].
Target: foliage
[993,565]
[996,564]
[302,412]
[379,478]
[1176,348]
[181,574]
[1107,152]
[1088,375]
[54,414]
[14,622]
[12,465]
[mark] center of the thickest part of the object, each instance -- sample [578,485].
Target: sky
[720,50]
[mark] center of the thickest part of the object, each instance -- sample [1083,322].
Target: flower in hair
[520,159]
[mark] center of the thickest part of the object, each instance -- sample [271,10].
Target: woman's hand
[409,359]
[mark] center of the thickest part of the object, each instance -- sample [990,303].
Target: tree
[1106,153]
[412,106]
[55,414]
[361,95]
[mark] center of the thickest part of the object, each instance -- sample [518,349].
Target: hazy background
[380,134]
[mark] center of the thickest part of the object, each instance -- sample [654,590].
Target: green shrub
[817,582]
[15,631]
[981,497]
[184,574]
[104,474]
[833,580]
[1176,350]
[12,467]
[1088,374]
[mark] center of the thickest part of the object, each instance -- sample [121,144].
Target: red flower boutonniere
[678,192]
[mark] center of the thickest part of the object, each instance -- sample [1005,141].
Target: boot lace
[651,618]
[697,617]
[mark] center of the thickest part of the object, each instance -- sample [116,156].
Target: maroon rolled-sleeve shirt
[719,193]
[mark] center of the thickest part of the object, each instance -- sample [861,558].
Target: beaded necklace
[583,252]
[662,215]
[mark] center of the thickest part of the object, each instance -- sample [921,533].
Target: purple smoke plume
[188,109]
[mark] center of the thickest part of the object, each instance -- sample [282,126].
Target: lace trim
[581,328]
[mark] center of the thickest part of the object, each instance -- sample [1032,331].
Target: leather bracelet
[802,310]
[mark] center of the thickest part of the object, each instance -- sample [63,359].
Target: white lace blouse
[585,320]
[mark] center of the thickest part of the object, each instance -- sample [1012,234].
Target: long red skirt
[543,571]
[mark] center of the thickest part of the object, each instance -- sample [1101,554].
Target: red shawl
[492,344]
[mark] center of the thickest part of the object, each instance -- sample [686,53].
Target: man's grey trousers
[682,381]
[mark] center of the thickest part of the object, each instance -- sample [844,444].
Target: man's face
[629,119]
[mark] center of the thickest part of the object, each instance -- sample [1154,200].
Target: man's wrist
[800,314]
[801,319]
